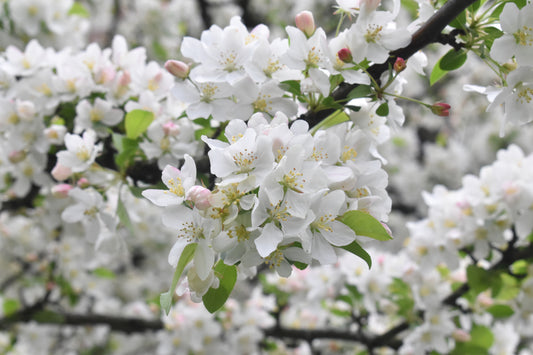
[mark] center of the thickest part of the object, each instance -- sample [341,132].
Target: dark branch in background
[203,6]
[112,31]
[428,33]
[249,19]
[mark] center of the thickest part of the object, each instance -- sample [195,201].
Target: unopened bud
[441,109]
[83,183]
[17,156]
[461,335]
[177,68]
[305,22]
[61,190]
[125,79]
[399,65]
[61,172]
[171,129]
[345,54]
[200,196]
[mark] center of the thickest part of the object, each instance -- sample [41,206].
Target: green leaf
[159,50]
[478,278]
[186,256]
[492,33]
[123,216]
[335,80]
[459,21]
[79,10]
[47,316]
[383,109]
[335,118]
[292,86]
[500,311]
[452,60]
[127,149]
[519,267]
[104,273]
[481,336]
[216,297]
[137,122]
[364,224]
[359,91]
[437,73]
[10,306]
[356,249]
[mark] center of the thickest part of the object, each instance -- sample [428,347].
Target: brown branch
[428,33]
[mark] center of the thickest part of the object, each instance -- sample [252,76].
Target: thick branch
[204,13]
[428,33]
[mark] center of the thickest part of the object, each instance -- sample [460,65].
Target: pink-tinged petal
[162,198]
[323,251]
[204,259]
[268,241]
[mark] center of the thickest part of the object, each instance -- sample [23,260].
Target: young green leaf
[216,297]
[123,216]
[137,122]
[79,10]
[186,256]
[383,109]
[364,224]
[437,73]
[356,249]
[452,60]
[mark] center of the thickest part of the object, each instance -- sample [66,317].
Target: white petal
[268,241]
[204,258]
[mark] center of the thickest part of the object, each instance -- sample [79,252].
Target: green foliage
[186,256]
[127,150]
[137,122]
[356,249]
[124,217]
[363,224]
[79,10]
[335,118]
[453,60]
[383,109]
[216,297]
[359,91]
[500,311]
[46,316]
[402,296]
[103,273]
[10,306]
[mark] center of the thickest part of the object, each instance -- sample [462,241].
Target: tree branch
[428,33]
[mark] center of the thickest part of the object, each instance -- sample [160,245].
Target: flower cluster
[278,197]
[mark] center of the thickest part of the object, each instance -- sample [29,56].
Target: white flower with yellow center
[81,151]
[178,183]
[517,40]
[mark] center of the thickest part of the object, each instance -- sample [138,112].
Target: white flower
[178,182]
[96,116]
[517,25]
[517,97]
[81,151]
[374,36]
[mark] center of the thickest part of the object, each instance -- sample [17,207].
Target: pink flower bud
[399,65]
[61,172]
[305,22]
[61,190]
[441,109]
[200,196]
[345,55]
[17,156]
[83,183]
[125,79]
[177,68]
[171,129]
[461,335]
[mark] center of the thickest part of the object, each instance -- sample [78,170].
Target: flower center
[373,33]
[524,36]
